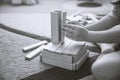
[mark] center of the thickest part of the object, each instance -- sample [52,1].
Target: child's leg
[107,67]
[107,47]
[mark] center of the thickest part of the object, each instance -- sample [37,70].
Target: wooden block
[63,64]
[58,18]
[60,13]
[64,46]
[63,21]
[79,54]
[66,58]
[55,47]
[51,47]
[74,48]
[67,55]
[57,56]
[82,60]
[34,53]
[33,46]
[78,46]
[69,48]
[55,31]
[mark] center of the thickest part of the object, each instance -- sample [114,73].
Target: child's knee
[106,69]
[96,70]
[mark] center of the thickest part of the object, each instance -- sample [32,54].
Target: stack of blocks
[58,18]
[63,52]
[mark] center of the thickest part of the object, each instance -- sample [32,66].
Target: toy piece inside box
[70,55]
[83,18]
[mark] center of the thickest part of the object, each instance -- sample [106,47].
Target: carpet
[63,74]
[13,65]
[90,77]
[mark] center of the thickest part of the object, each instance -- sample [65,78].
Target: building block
[66,55]
[33,46]
[65,65]
[55,28]
[34,53]
[63,21]
[58,18]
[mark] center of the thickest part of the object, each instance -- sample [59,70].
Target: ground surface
[13,65]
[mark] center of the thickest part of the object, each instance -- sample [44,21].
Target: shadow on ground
[62,74]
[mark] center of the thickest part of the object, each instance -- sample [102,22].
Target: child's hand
[73,22]
[75,32]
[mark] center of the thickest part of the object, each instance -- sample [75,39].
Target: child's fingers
[67,30]
[72,22]
[69,26]
[68,22]
[70,36]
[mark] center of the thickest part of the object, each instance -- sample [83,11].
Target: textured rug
[90,77]
[14,67]
[62,74]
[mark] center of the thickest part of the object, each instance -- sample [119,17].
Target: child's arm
[107,36]
[82,34]
[109,20]
[105,23]
[98,32]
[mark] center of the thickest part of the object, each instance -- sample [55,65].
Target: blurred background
[33,16]
[45,6]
